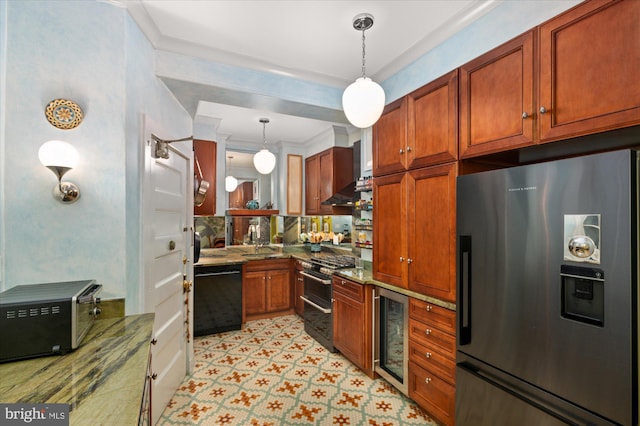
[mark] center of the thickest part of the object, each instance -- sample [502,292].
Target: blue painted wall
[94,54]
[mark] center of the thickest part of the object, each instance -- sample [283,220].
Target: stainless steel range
[318,295]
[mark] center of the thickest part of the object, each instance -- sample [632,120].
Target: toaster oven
[46,319]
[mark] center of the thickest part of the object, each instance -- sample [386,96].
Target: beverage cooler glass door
[392,334]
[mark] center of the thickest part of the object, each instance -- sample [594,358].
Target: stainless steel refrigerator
[548,293]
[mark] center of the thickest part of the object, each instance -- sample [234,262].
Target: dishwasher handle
[216,274]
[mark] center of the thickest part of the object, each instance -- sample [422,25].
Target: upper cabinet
[390,139]
[205,158]
[584,64]
[325,174]
[418,130]
[589,69]
[497,99]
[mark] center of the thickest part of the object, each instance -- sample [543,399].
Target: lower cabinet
[432,355]
[352,326]
[266,289]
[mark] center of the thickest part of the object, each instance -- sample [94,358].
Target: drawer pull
[427,331]
[428,354]
[427,380]
[429,308]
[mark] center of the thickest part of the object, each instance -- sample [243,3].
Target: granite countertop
[234,255]
[102,380]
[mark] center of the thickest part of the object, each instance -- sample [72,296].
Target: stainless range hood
[344,197]
[347,196]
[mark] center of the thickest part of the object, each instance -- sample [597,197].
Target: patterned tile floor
[273,373]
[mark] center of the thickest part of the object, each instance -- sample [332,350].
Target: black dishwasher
[217,299]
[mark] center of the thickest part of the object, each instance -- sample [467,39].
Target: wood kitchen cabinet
[574,75]
[352,313]
[497,98]
[414,230]
[432,347]
[325,174]
[266,289]
[418,130]
[589,68]
[205,152]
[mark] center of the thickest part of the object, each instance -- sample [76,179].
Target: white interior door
[167,242]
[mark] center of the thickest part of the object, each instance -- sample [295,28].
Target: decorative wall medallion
[63,114]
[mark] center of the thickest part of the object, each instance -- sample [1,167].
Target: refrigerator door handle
[464,290]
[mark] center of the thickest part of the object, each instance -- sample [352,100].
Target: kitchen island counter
[103,380]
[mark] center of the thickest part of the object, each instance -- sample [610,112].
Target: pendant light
[363,100]
[264,160]
[230,183]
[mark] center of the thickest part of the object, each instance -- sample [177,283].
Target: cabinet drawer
[433,315]
[349,288]
[431,359]
[266,265]
[434,395]
[432,337]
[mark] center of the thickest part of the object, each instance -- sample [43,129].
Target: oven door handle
[326,282]
[318,307]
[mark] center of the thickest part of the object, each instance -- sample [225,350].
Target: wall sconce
[363,100]
[60,157]
[264,160]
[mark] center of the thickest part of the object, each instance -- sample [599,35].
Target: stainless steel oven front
[318,317]
[391,338]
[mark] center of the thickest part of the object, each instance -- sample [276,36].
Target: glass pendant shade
[58,154]
[363,102]
[264,161]
[230,183]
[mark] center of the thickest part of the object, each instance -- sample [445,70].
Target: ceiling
[309,40]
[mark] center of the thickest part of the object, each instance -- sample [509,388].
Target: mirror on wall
[249,183]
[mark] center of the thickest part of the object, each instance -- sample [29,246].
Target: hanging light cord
[264,137]
[363,74]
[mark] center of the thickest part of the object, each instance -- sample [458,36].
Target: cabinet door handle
[525,115]
[429,308]
[543,110]
[408,149]
[427,331]
[343,282]
[428,354]
[401,151]
[154,341]
[401,259]
[154,376]
[427,380]
[409,260]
